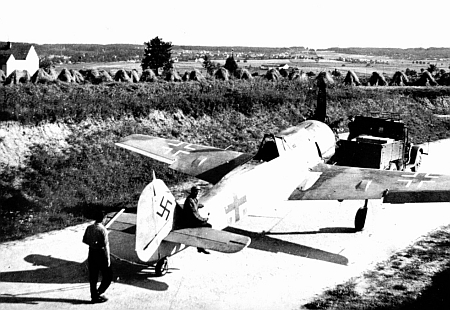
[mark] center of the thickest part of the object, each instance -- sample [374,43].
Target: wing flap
[208,238]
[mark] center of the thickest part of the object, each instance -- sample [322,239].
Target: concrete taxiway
[306,248]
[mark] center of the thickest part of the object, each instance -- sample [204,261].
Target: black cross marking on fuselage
[235,206]
[164,207]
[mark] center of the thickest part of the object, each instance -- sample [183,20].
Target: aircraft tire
[360,219]
[162,266]
[418,163]
[393,166]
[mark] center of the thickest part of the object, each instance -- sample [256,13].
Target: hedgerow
[32,104]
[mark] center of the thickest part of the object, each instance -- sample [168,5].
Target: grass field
[417,277]
[327,64]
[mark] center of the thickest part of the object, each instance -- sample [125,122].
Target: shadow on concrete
[265,243]
[63,271]
[11,299]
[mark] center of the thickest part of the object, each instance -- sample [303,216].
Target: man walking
[96,236]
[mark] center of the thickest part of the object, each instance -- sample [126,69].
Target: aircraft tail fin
[155,213]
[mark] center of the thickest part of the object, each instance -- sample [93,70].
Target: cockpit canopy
[273,146]
[268,148]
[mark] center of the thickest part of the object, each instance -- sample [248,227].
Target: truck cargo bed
[368,152]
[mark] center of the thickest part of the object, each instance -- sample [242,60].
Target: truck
[378,142]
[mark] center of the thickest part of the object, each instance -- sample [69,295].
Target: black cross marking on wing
[417,178]
[180,147]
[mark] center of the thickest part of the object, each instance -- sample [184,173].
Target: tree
[231,65]
[45,63]
[157,54]
[432,68]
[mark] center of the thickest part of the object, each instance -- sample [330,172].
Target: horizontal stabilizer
[114,218]
[208,238]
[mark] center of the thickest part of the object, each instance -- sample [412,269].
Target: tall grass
[31,104]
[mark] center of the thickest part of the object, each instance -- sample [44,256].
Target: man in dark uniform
[191,216]
[96,236]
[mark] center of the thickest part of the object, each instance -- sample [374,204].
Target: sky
[277,23]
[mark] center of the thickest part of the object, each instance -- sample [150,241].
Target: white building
[18,57]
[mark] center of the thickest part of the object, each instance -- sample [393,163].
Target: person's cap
[99,215]
[194,189]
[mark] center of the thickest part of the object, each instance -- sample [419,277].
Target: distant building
[19,56]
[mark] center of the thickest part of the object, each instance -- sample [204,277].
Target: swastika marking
[164,207]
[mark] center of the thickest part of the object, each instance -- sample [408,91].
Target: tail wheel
[162,266]
[360,217]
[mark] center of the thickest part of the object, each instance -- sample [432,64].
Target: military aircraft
[290,165]
[158,230]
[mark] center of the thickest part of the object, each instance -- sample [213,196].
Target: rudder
[154,220]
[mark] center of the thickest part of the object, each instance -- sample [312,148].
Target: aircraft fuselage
[268,182]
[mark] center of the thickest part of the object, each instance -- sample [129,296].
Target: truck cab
[378,143]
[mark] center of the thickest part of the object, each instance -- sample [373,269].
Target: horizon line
[240,46]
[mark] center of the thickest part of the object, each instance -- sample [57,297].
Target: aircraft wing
[208,238]
[326,182]
[206,163]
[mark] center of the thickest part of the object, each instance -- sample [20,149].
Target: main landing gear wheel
[418,163]
[392,167]
[360,218]
[162,266]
